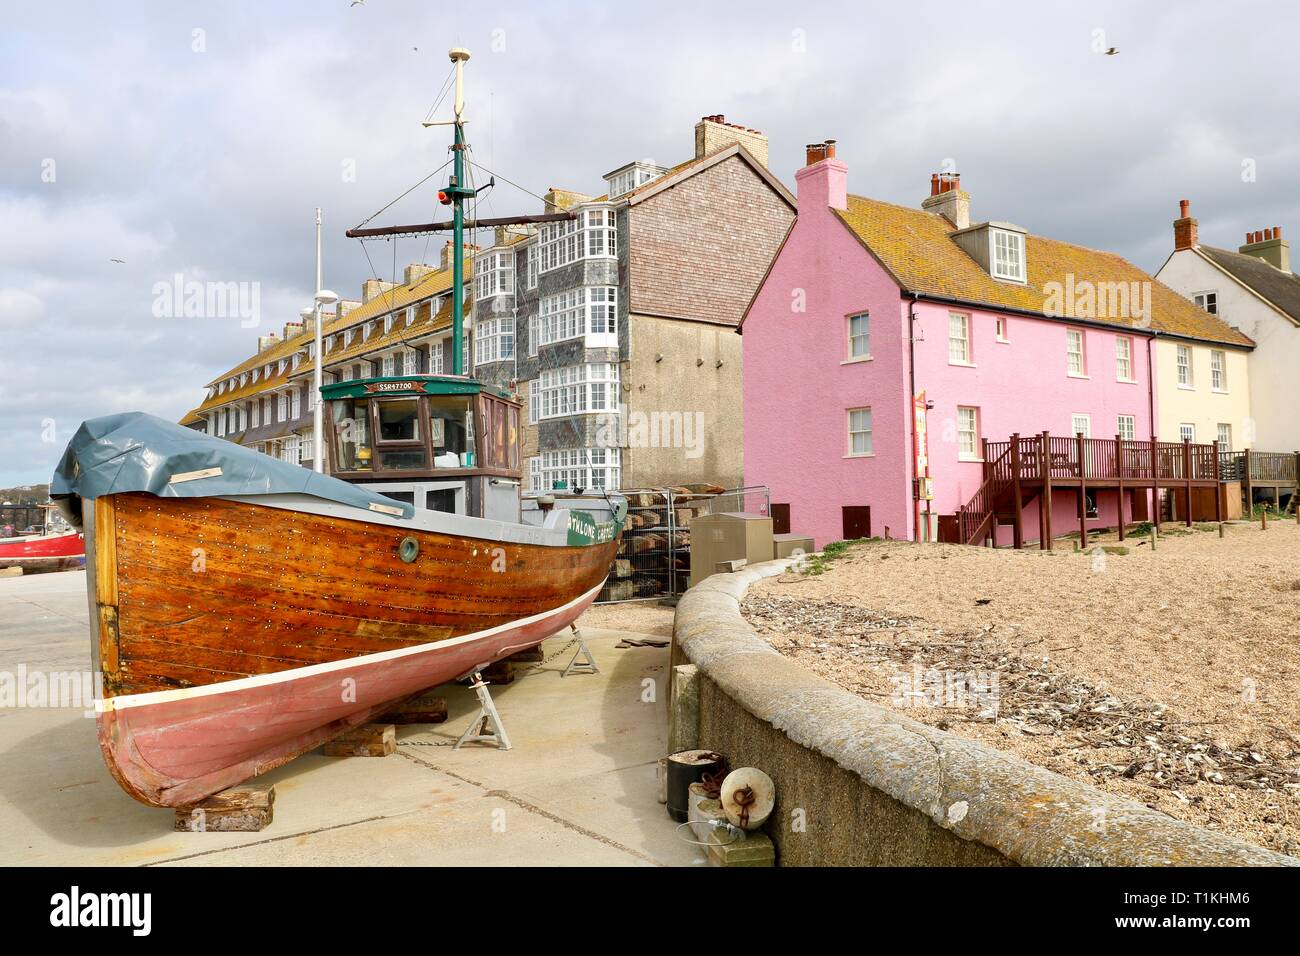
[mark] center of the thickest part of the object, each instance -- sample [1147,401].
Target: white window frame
[531,258]
[858,328]
[1207,300]
[1071,337]
[859,428]
[494,274]
[959,335]
[1183,358]
[283,404]
[494,340]
[1218,370]
[388,369]
[968,433]
[410,361]
[1000,328]
[1223,435]
[435,357]
[582,467]
[1126,427]
[1123,358]
[592,235]
[1080,417]
[587,312]
[1187,432]
[578,390]
[1007,255]
[295,402]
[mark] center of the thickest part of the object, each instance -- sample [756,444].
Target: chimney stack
[824,179]
[947,199]
[1268,244]
[713,133]
[1185,227]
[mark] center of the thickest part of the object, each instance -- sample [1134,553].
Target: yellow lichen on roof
[192,417]
[433,283]
[398,334]
[918,249]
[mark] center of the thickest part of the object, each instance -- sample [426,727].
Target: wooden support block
[13,572]
[726,567]
[499,673]
[368,740]
[245,809]
[424,709]
[532,655]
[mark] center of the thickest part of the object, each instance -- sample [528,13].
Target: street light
[323,297]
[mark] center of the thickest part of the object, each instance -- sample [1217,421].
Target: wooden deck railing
[1025,466]
[1266,467]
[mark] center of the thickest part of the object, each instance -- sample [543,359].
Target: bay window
[577,390]
[494,340]
[591,235]
[592,310]
[494,274]
[581,468]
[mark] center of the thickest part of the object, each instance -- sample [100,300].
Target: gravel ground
[1170,677]
[644,617]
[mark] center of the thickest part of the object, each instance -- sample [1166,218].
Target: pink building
[868,304]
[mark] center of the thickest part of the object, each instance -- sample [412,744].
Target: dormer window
[627,178]
[1007,256]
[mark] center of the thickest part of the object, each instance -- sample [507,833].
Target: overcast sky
[197,138]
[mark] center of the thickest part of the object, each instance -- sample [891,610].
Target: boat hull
[234,637]
[53,552]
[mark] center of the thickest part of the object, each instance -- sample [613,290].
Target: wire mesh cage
[654,556]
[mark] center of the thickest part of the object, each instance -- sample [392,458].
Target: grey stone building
[617,327]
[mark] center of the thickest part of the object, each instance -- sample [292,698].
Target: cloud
[210,164]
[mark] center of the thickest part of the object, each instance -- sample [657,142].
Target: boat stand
[575,666]
[486,727]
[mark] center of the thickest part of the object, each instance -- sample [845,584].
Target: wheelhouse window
[1074,359]
[1008,256]
[859,336]
[860,432]
[351,422]
[958,338]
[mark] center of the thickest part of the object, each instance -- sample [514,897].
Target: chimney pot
[1277,232]
[1259,235]
[830,149]
[1247,238]
[1268,235]
[1184,205]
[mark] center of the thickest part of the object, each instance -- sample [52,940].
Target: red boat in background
[57,551]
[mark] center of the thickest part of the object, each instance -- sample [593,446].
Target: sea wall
[858,784]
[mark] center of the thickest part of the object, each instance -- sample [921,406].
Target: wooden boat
[246,610]
[235,632]
[52,551]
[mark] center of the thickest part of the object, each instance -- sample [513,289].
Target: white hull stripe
[279,677]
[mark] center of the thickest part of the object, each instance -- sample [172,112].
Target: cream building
[1254,291]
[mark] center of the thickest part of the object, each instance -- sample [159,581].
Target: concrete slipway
[577,789]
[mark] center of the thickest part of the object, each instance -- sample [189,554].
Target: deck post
[1218,486]
[1155,483]
[1187,478]
[1017,530]
[1046,504]
[1247,489]
[1083,492]
[1119,482]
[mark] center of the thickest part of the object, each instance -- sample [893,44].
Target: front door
[857,522]
[780,518]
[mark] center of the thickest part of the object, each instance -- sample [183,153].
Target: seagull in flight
[115,259]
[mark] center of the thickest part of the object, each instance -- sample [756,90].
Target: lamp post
[323,297]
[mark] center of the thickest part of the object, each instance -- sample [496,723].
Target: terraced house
[266,402]
[1254,291]
[616,325]
[915,373]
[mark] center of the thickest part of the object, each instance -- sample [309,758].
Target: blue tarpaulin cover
[138,452]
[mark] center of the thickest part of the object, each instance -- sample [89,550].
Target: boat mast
[457,193]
